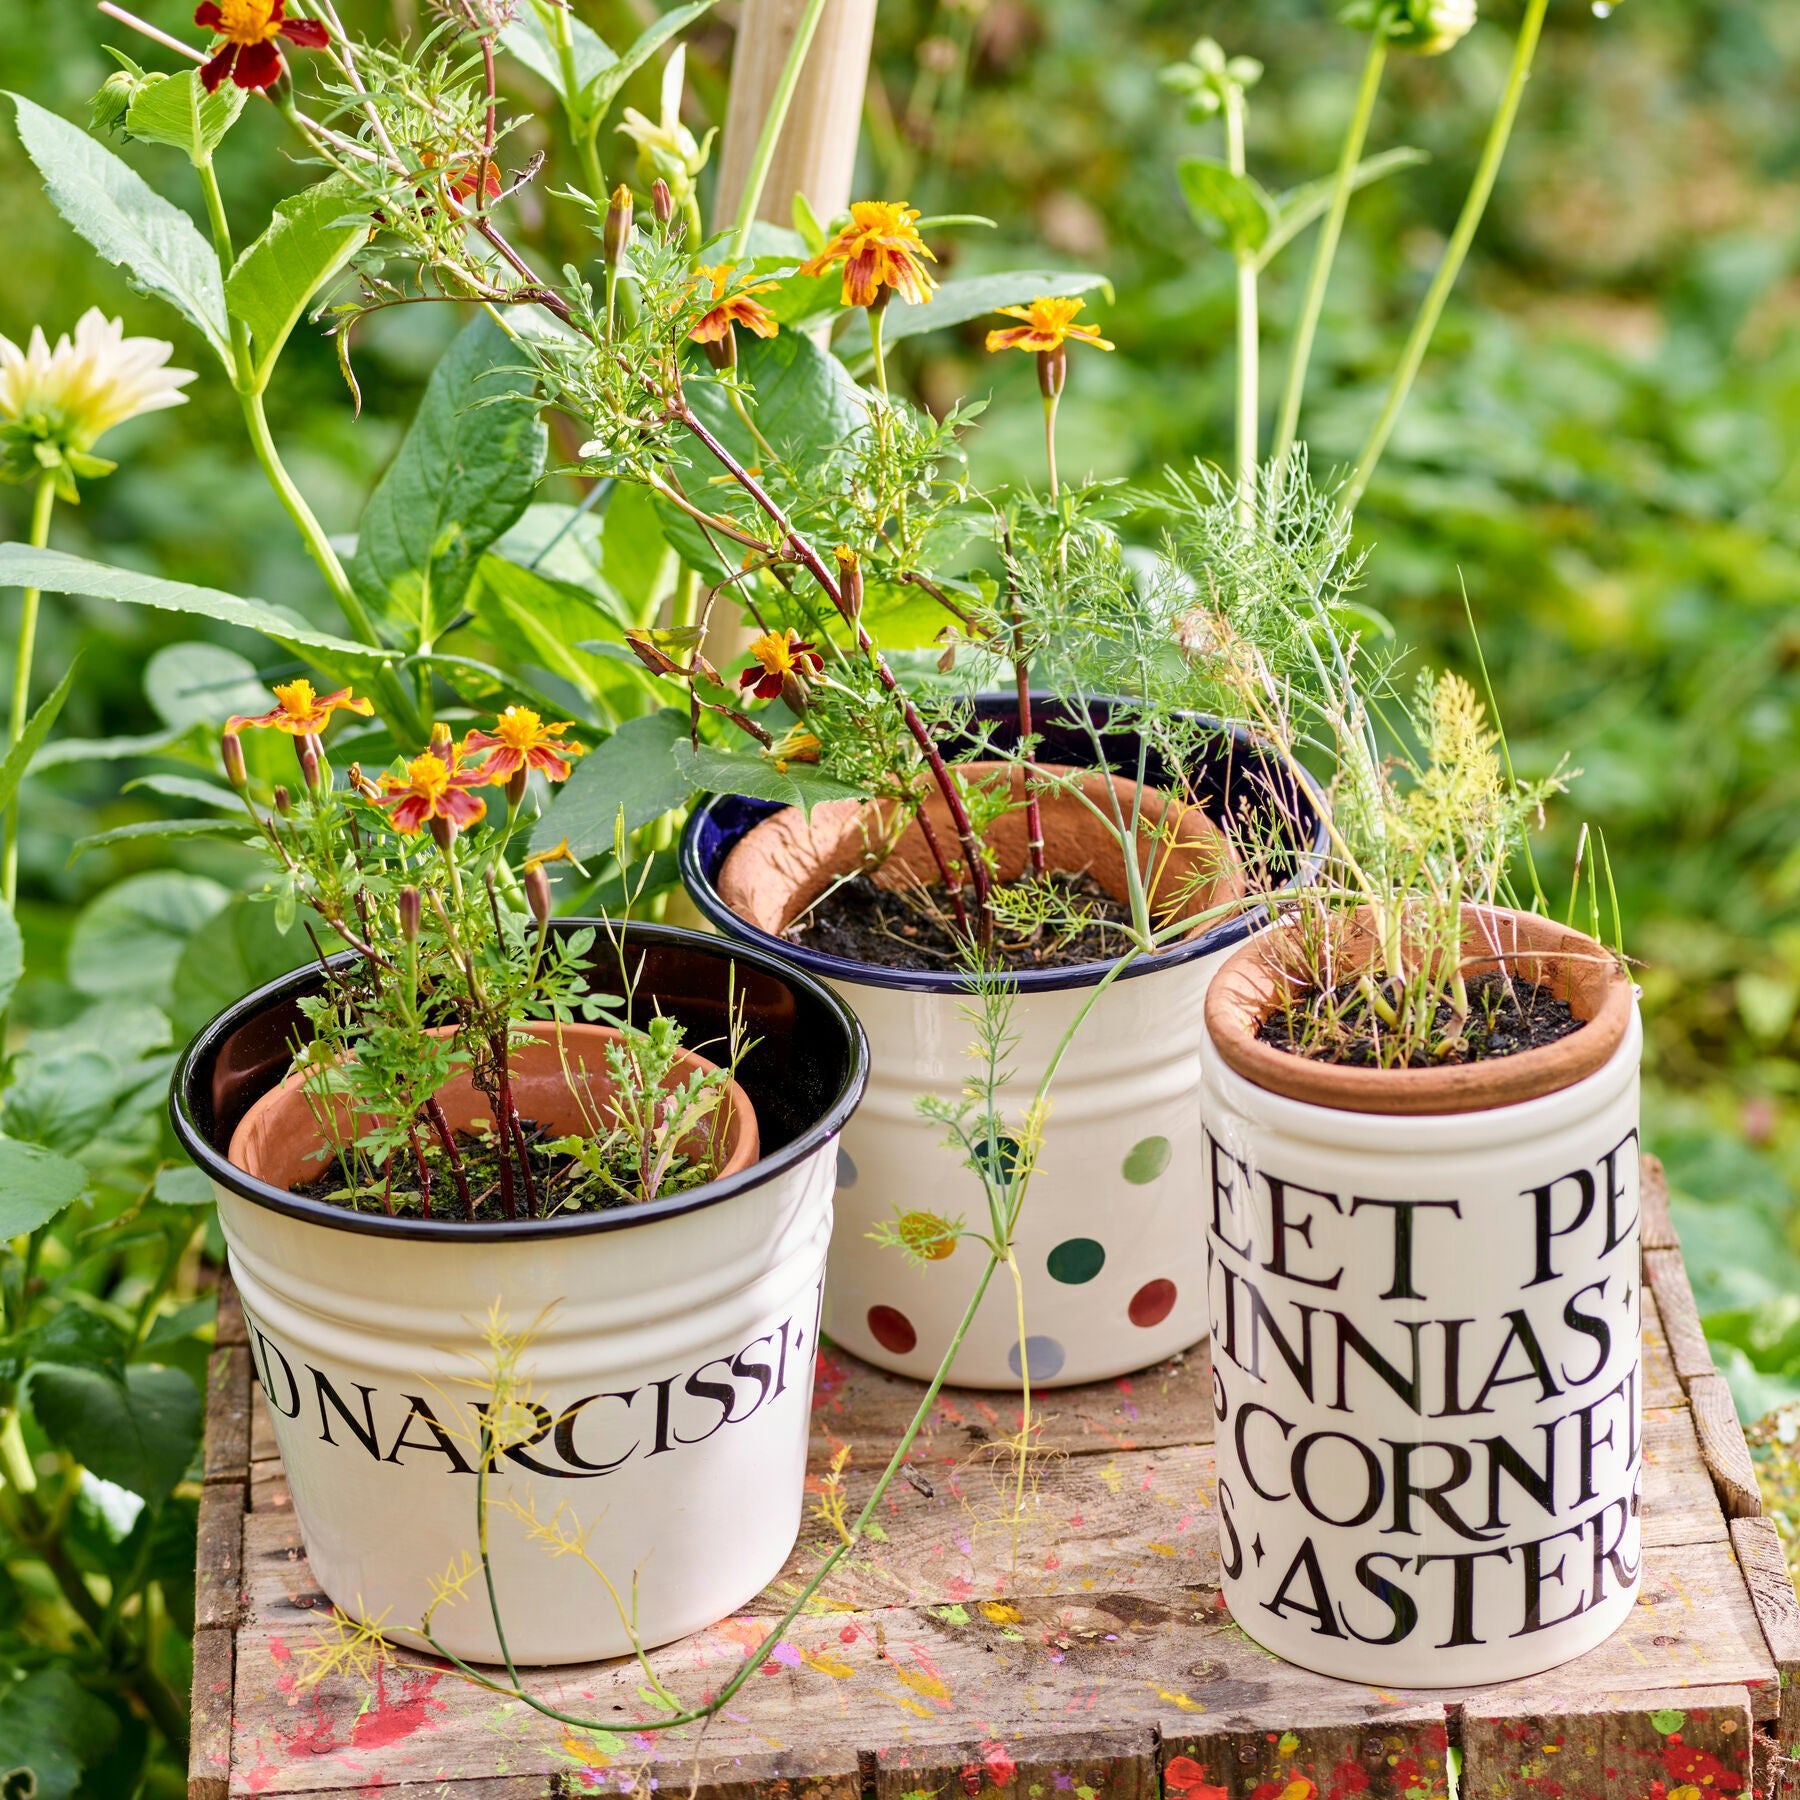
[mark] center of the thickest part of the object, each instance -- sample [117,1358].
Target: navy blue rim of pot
[191,1116]
[717,826]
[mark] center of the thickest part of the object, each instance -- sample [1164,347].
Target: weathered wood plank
[1760,1556]
[1656,1228]
[1374,1750]
[1699,1740]
[1680,1317]
[231,1328]
[210,1717]
[219,1556]
[227,1451]
[1722,1446]
[1105,1764]
[262,1428]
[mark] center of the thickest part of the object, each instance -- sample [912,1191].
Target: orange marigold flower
[250,28]
[435,786]
[300,711]
[880,248]
[728,309]
[1049,324]
[521,739]
[460,177]
[774,657]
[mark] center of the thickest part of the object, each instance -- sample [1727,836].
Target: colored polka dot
[1146,1160]
[892,1330]
[846,1169]
[927,1236]
[999,1159]
[1152,1303]
[1043,1355]
[1076,1260]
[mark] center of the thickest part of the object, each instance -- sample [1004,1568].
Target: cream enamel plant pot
[1426,1340]
[1112,1262]
[666,1386]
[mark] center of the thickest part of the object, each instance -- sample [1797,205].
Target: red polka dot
[1152,1303]
[893,1330]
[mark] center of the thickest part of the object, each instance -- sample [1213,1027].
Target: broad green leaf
[1300,206]
[974,297]
[189,787]
[101,1071]
[59,573]
[187,1187]
[37,728]
[531,38]
[1233,210]
[633,769]
[127,941]
[558,540]
[35,1185]
[166,830]
[308,241]
[466,470]
[51,1729]
[728,772]
[488,689]
[806,405]
[12,954]
[116,749]
[240,950]
[127,221]
[178,111]
[536,621]
[197,683]
[632,548]
[602,89]
[140,1432]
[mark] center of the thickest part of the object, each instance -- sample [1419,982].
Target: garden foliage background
[1603,448]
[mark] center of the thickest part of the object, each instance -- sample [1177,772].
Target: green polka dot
[1146,1160]
[1076,1260]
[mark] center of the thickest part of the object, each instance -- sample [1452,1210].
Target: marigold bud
[231,750]
[311,770]
[1053,372]
[795,693]
[411,911]
[284,801]
[721,352]
[618,227]
[850,582]
[537,893]
[441,739]
[443,832]
[515,787]
[662,202]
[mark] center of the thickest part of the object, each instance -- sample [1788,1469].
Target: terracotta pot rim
[281,1097]
[1243,994]
[701,855]
[190,1111]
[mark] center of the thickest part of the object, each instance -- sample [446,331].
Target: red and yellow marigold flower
[1049,324]
[250,27]
[520,739]
[727,308]
[300,710]
[775,656]
[881,250]
[435,786]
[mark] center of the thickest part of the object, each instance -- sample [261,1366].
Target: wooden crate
[1093,1658]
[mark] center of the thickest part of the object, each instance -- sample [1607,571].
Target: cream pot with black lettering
[625,1390]
[1425,1308]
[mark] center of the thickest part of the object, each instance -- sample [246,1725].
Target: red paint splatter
[390,1720]
[999,1765]
[1184,1776]
[1348,1779]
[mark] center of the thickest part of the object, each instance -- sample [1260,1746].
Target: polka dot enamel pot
[661,1405]
[1110,1246]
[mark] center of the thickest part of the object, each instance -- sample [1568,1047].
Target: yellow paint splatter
[826,1663]
[1289,1744]
[1112,1477]
[921,1683]
[584,1754]
[1161,1549]
[1180,1701]
[997,1612]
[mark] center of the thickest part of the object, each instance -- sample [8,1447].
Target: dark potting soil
[896,928]
[1505,1017]
[561,1183]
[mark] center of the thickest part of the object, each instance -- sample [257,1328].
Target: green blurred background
[1602,448]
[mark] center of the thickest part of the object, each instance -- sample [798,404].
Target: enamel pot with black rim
[1426,1330]
[663,1392]
[1111,1258]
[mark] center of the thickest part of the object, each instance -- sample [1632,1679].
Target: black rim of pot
[192,1112]
[726,818]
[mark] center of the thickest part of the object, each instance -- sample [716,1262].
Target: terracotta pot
[1113,1269]
[1426,1333]
[559,1080]
[669,1367]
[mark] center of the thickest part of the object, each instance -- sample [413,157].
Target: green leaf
[141,1432]
[101,1072]
[1300,206]
[189,787]
[529,39]
[535,621]
[241,948]
[1233,210]
[197,683]
[974,297]
[58,573]
[178,111]
[37,728]
[117,749]
[308,241]
[728,772]
[168,830]
[51,1729]
[12,954]
[127,221]
[186,1187]
[127,941]
[35,1186]
[632,769]
[632,547]
[602,89]
[466,471]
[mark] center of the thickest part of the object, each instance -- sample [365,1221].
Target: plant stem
[757,176]
[1248,334]
[43,504]
[875,315]
[1456,251]
[1288,426]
